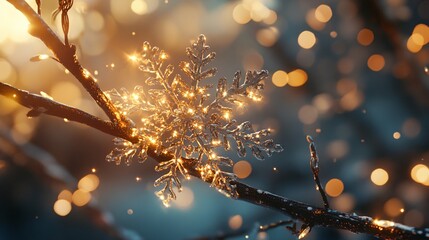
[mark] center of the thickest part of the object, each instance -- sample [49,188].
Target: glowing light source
[383,223]
[62,207]
[420,174]
[365,37]
[280,78]
[323,13]
[376,62]
[306,39]
[89,183]
[185,199]
[240,14]
[242,169]
[334,187]
[66,195]
[297,78]
[394,207]
[139,7]
[396,135]
[379,177]
[267,37]
[235,222]
[81,198]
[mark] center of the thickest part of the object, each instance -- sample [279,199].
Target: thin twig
[314,164]
[309,215]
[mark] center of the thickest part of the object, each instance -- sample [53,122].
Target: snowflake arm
[176,113]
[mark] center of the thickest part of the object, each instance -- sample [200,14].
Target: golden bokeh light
[240,14]
[379,177]
[81,197]
[66,195]
[6,71]
[396,135]
[308,114]
[376,62]
[334,187]
[323,13]
[13,26]
[62,207]
[66,92]
[412,46]
[312,21]
[306,39]
[242,169]
[94,20]
[344,202]
[351,100]
[235,222]
[297,78]
[393,207]
[420,174]
[88,183]
[139,7]
[185,199]
[422,30]
[280,78]
[267,37]
[271,18]
[365,37]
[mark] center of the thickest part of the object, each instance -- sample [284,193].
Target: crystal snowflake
[177,114]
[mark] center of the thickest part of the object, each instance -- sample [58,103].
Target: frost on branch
[177,114]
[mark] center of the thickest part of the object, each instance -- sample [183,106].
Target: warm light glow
[376,62]
[396,135]
[393,207]
[334,187]
[62,207]
[384,223]
[235,222]
[185,199]
[133,58]
[280,78]
[81,198]
[240,14]
[323,13]
[267,37]
[308,114]
[306,39]
[365,37]
[88,183]
[297,78]
[242,169]
[379,176]
[66,195]
[420,174]
[412,46]
[139,7]
[422,30]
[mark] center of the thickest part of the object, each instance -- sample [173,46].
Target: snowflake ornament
[176,114]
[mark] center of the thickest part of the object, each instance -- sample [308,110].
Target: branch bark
[120,127]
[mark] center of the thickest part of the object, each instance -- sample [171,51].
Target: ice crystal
[176,114]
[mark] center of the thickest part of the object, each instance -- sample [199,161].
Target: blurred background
[350,73]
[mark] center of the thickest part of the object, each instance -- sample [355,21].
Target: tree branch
[66,55]
[42,105]
[120,127]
